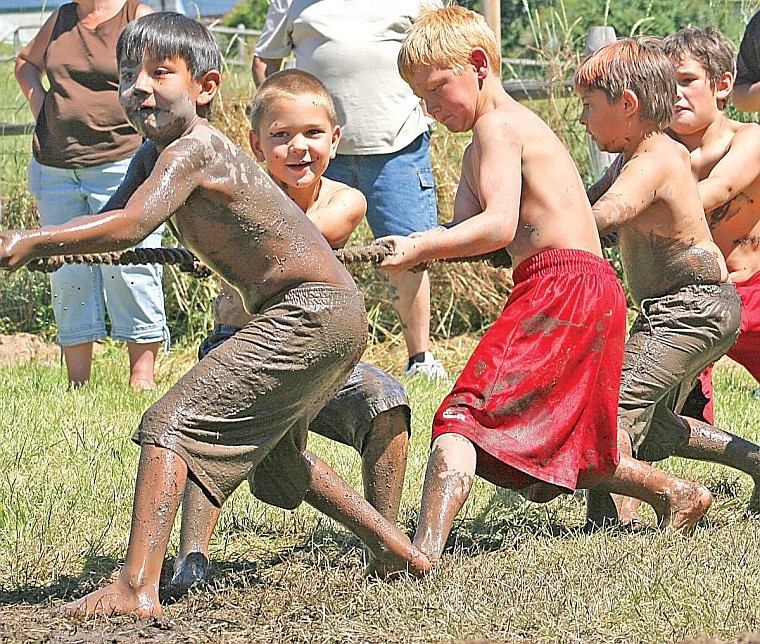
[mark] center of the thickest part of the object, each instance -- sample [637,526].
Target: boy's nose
[298,142]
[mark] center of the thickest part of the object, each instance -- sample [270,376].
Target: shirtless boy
[689,312]
[535,407]
[243,411]
[725,160]
[295,133]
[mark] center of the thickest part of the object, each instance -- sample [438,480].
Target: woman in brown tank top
[82,147]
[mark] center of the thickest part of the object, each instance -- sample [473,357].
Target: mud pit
[25,347]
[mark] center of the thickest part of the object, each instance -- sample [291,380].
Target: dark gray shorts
[244,410]
[347,417]
[672,340]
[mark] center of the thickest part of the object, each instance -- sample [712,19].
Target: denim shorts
[398,186]
[132,295]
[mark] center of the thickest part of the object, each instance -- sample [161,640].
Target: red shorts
[539,396]
[746,352]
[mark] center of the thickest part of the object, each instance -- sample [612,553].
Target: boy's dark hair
[706,45]
[169,35]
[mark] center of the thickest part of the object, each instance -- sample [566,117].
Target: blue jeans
[132,295]
[398,186]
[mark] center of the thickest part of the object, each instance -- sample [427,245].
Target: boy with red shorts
[725,160]
[535,408]
[689,312]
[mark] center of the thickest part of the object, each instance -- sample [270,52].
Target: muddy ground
[24,347]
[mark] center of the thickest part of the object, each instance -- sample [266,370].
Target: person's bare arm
[596,190]
[746,97]
[29,68]
[177,173]
[633,191]
[738,169]
[263,67]
[495,160]
[338,218]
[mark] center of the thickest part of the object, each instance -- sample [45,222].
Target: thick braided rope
[188,263]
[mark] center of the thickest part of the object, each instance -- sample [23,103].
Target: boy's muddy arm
[634,190]
[139,170]
[596,190]
[738,169]
[175,176]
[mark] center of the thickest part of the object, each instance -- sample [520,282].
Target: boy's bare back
[655,206]
[516,155]
[231,214]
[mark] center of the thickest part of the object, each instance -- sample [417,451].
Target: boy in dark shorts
[535,407]
[294,131]
[725,160]
[244,410]
[689,312]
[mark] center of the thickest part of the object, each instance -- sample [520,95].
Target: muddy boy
[244,411]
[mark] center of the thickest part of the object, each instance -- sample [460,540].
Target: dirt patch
[25,347]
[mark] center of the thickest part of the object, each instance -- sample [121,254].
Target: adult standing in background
[82,148]
[384,149]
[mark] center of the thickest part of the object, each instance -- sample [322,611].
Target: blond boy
[725,160]
[535,407]
[689,312]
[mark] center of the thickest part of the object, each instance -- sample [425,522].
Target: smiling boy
[244,410]
[535,408]
[689,312]
[725,160]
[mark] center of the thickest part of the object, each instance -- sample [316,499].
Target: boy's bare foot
[190,570]
[683,506]
[115,599]
[396,560]
[142,385]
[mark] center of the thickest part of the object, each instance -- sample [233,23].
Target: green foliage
[250,13]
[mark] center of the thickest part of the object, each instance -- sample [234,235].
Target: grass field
[513,571]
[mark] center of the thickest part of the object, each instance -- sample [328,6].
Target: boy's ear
[724,86]
[335,141]
[630,102]
[479,60]
[255,142]
[209,83]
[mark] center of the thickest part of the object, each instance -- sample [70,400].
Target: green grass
[513,571]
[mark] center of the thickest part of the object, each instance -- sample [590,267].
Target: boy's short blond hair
[706,45]
[639,65]
[445,38]
[290,84]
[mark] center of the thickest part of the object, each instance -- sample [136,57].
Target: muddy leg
[602,508]
[448,482]
[390,548]
[678,503]
[199,517]
[384,462]
[161,479]
[708,443]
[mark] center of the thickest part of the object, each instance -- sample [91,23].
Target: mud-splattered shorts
[244,410]
[672,340]
[347,417]
[538,398]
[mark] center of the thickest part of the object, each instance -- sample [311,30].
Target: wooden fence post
[599,161]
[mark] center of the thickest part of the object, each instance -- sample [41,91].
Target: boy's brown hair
[445,38]
[706,45]
[638,65]
[291,84]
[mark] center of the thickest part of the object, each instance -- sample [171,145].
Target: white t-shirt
[352,46]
